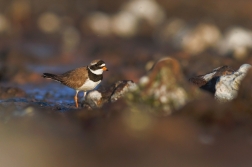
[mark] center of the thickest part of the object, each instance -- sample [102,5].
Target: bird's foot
[76,101]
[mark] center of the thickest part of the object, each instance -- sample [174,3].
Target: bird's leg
[84,96]
[76,99]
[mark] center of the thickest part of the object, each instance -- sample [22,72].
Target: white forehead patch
[102,65]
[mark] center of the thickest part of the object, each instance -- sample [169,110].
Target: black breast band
[93,76]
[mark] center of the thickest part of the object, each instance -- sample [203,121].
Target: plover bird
[81,79]
[208,81]
[227,86]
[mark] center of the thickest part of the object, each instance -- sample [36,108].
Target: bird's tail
[51,76]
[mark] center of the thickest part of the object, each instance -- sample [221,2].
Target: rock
[202,37]
[227,86]
[164,89]
[245,91]
[97,98]
[236,41]
[154,16]
[208,81]
[237,113]
[223,82]
[124,24]
[121,88]
[99,23]
[171,30]
[192,39]
[94,99]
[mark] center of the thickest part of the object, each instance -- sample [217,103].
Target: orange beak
[104,68]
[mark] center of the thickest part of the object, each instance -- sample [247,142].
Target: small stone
[122,88]
[97,98]
[94,99]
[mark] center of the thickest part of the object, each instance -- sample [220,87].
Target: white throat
[97,72]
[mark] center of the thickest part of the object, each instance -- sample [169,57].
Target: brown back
[74,78]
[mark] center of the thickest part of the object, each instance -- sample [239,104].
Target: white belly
[88,85]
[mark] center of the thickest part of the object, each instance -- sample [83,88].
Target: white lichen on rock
[97,98]
[94,98]
[143,80]
[227,86]
[129,86]
[164,88]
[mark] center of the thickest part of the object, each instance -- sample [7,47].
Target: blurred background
[54,36]
[59,35]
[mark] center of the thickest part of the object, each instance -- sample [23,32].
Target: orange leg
[76,99]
